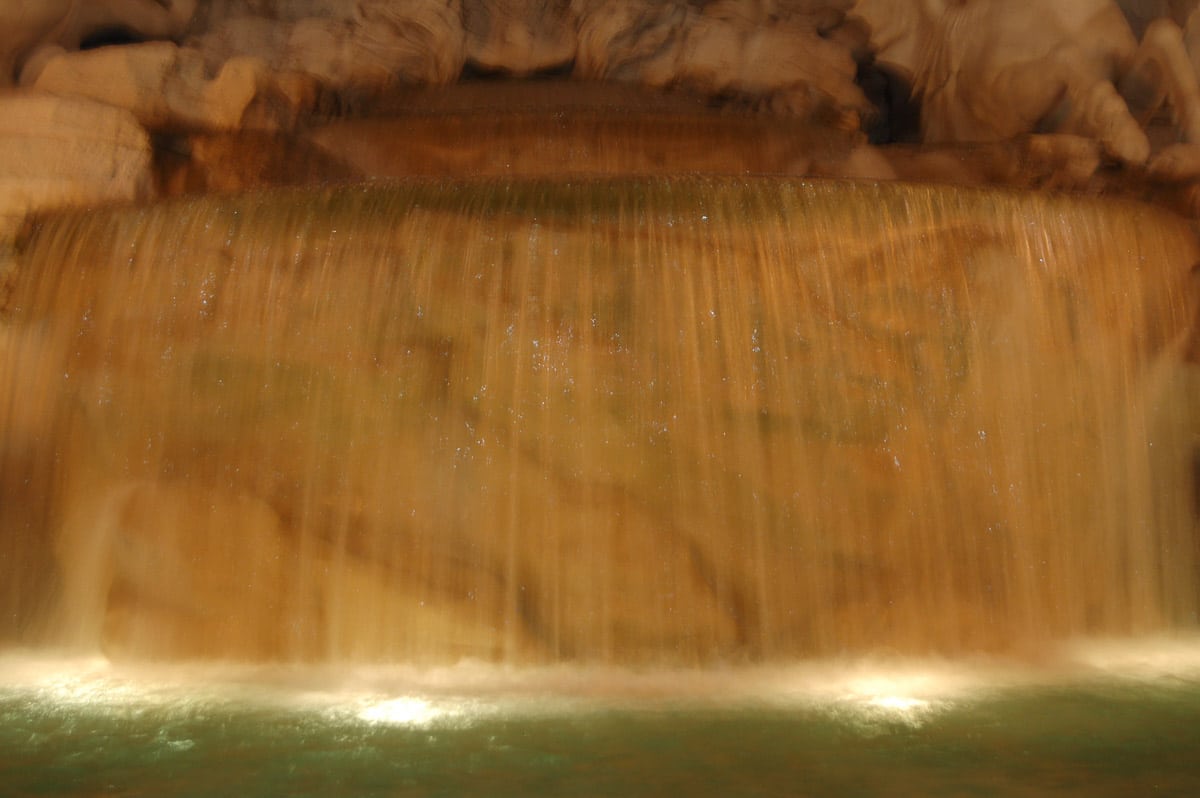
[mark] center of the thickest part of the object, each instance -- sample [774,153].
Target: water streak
[639,421]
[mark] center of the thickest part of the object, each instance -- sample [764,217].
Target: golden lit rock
[57,152]
[163,85]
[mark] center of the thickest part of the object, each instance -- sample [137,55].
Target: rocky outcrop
[357,49]
[520,37]
[795,58]
[165,86]
[236,66]
[793,64]
[992,70]
[244,67]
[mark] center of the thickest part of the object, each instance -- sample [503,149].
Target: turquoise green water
[834,730]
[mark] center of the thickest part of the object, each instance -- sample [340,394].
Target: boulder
[520,37]
[26,26]
[60,151]
[164,85]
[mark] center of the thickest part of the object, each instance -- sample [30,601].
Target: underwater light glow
[898,703]
[403,711]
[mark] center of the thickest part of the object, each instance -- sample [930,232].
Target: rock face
[235,67]
[798,58]
[788,58]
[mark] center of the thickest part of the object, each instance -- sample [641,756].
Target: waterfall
[631,421]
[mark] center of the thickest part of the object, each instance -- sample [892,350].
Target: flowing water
[1120,720]
[623,422]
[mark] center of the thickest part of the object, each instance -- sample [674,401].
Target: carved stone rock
[59,152]
[358,48]
[164,85]
[29,25]
[519,37]
[785,62]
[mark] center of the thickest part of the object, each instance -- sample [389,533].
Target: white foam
[1175,656]
[865,690]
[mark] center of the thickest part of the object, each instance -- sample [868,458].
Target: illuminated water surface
[1115,719]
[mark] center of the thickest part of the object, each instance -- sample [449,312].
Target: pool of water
[1110,720]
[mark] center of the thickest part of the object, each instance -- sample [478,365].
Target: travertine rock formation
[1060,70]
[354,47]
[58,152]
[30,26]
[995,76]
[991,70]
[521,36]
[791,62]
[247,65]
[214,82]
[165,85]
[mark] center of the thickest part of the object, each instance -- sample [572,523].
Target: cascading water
[622,421]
